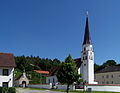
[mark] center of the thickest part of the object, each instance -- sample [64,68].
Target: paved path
[21,90]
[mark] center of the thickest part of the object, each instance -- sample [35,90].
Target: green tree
[96,67]
[109,63]
[106,64]
[68,72]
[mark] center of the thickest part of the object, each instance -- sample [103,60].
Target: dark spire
[87,39]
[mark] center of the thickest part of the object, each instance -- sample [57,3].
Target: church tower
[87,57]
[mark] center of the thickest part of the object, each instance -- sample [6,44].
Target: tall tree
[68,72]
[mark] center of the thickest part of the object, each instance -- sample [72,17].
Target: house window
[53,80]
[107,76]
[112,82]
[102,76]
[107,82]
[86,57]
[5,72]
[5,84]
[49,80]
[112,76]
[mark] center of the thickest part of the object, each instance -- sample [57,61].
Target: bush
[7,90]
[1,89]
[11,90]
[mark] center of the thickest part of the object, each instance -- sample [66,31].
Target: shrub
[11,90]
[1,89]
[7,90]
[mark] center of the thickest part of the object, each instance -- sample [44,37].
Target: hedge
[7,90]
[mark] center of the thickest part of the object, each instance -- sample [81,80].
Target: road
[21,90]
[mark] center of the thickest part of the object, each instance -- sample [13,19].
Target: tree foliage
[68,72]
[105,64]
[31,63]
[109,63]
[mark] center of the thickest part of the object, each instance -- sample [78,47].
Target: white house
[85,64]
[7,64]
[52,78]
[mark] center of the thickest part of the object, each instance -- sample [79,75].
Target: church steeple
[87,39]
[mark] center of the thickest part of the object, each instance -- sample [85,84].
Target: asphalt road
[21,90]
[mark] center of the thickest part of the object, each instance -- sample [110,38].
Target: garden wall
[112,88]
[95,87]
[49,86]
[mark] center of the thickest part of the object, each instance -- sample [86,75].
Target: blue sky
[55,28]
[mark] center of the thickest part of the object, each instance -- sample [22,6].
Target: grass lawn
[84,91]
[71,91]
[92,92]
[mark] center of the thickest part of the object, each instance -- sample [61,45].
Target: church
[85,64]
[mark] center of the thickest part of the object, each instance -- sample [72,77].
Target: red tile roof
[41,72]
[53,71]
[7,60]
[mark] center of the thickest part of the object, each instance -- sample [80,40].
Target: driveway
[22,90]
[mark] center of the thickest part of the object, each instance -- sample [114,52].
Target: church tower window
[84,48]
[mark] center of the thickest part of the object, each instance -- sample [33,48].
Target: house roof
[19,77]
[7,60]
[41,72]
[23,75]
[109,69]
[53,71]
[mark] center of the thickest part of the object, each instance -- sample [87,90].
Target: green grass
[69,91]
[92,92]
[36,89]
